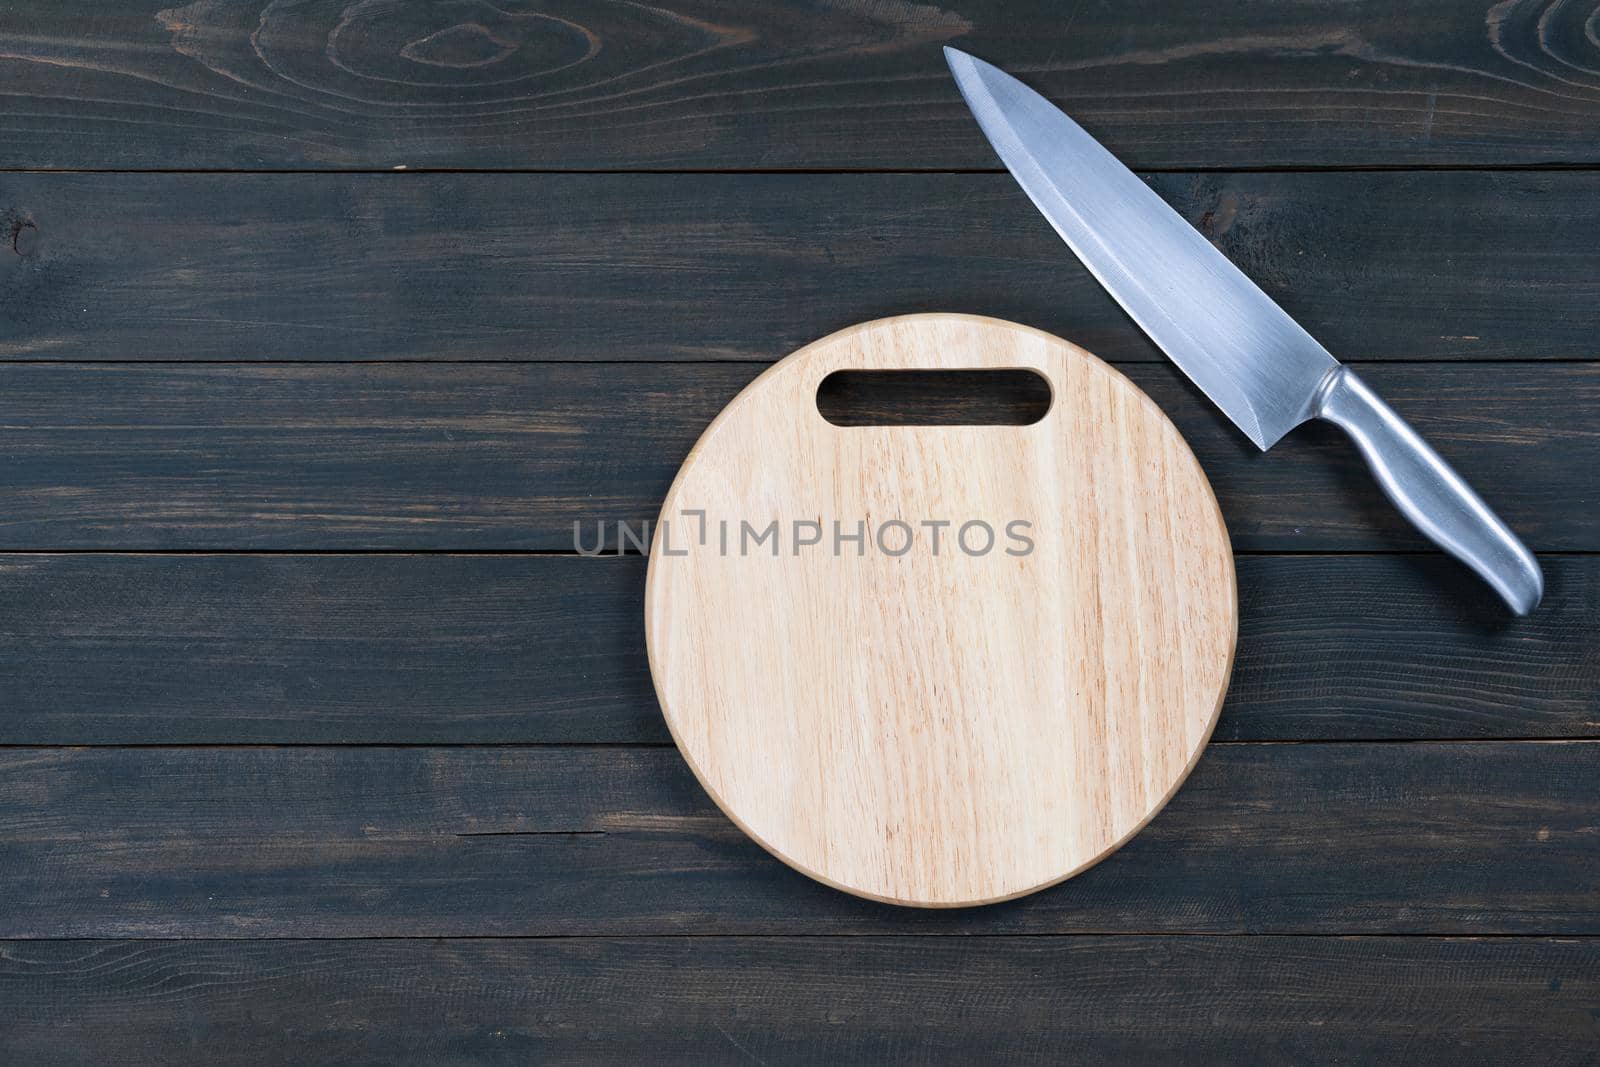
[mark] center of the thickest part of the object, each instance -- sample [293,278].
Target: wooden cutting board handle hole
[996,397]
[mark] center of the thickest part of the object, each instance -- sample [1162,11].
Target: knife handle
[1429,492]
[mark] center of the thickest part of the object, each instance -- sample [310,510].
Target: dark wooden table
[322,322]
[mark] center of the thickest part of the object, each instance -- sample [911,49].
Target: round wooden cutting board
[927,714]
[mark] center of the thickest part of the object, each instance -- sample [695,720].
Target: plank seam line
[753,364]
[1091,934]
[633,554]
[664,745]
[1551,166]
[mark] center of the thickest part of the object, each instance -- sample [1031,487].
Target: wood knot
[463,46]
[20,229]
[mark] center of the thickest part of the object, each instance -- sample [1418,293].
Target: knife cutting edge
[1244,352]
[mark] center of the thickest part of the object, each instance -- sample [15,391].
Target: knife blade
[1265,372]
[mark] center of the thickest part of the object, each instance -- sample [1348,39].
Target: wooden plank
[1409,647]
[129,649]
[1439,265]
[804,1000]
[1426,838]
[132,649]
[417,456]
[711,83]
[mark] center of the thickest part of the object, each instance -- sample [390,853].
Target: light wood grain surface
[951,727]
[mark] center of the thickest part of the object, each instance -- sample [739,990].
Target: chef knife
[1244,352]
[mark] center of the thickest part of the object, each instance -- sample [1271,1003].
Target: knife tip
[967,67]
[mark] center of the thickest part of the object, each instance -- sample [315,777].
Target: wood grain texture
[127,649]
[778,1000]
[1425,838]
[931,727]
[415,456]
[711,83]
[1440,265]
[224,649]
[248,844]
